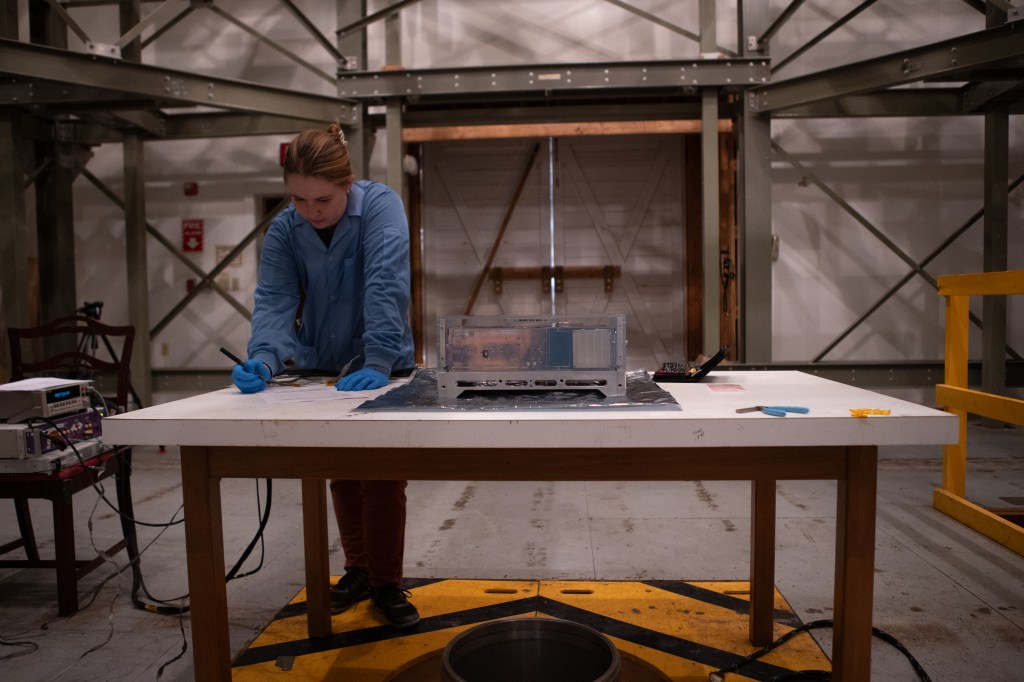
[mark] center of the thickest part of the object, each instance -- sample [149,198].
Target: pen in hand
[231,355]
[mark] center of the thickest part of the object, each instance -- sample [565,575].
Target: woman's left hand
[364,379]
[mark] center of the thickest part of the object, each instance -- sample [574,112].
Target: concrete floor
[954,598]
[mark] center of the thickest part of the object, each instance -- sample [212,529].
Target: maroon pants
[371,519]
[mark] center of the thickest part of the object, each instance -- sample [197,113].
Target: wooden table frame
[853,467]
[224,434]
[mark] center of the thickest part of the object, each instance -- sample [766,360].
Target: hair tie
[341,137]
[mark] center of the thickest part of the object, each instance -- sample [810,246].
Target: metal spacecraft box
[544,352]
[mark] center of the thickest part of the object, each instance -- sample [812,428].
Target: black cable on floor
[258,537]
[161,607]
[30,647]
[719,675]
[64,442]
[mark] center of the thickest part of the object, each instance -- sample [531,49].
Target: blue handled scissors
[774,410]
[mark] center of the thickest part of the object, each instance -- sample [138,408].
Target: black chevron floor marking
[652,639]
[726,601]
[380,633]
[673,646]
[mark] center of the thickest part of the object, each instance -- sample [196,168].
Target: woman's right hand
[251,377]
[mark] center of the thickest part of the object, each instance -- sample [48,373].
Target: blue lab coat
[357,290]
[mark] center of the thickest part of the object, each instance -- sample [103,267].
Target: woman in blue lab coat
[341,251]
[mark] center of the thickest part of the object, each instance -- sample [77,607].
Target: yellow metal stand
[664,630]
[960,400]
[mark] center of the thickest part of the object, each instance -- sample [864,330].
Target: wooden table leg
[762,561]
[204,543]
[314,532]
[855,566]
[64,553]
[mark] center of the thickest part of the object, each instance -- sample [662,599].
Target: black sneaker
[393,602]
[352,587]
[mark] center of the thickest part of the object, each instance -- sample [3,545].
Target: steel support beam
[313,31]
[187,10]
[709,172]
[655,19]
[996,236]
[887,103]
[780,21]
[14,237]
[272,44]
[946,58]
[977,96]
[359,25]
[55,229]
[842,21]
[994,249]
[138,265]
[167,86]
[393,123]
[754,210]
[166,13]
[192,127]
[54,206]
[353,46]
[545,79]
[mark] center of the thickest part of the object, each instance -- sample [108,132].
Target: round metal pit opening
[534,649]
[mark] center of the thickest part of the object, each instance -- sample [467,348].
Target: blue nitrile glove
[362,380]
[251,377]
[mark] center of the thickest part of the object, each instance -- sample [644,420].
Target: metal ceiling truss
[163,87]
[655,19]
[788,12]
[939,101]
[994,50]
[198,126]
[231,19]
[373,87]
[170,12]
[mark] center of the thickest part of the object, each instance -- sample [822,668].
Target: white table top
[708,418]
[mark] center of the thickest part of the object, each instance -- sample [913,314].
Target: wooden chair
[75,347]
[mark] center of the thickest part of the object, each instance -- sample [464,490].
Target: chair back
[74,347]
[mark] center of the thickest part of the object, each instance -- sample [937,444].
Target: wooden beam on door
[571,129]
[482,277]
[609,273]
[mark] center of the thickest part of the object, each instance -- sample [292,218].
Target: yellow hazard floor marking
[655,626]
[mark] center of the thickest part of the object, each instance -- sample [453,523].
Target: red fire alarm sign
[191,235]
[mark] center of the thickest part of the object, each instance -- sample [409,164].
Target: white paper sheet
[309,393]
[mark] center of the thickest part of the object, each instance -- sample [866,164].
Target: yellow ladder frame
[957,399]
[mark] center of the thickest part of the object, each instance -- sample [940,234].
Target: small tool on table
[774,410]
